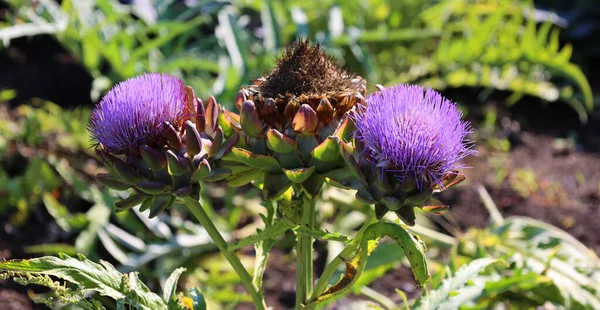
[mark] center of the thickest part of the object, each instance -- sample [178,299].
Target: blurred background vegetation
[523,72]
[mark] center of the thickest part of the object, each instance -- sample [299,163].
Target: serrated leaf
[89,276]
[441,298]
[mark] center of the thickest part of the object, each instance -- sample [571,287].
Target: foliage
[103,278]
[451,43]
[447,295]
[217,47]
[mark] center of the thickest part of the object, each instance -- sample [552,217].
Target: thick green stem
[347,251]
[304,253]
[233,260]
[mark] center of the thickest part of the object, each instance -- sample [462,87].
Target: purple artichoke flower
[134,113]
[412,133]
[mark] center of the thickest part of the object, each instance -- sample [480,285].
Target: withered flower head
[304,75]
[292,119]
[305,69]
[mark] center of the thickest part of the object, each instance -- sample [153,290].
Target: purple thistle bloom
[134,113]
[413,133]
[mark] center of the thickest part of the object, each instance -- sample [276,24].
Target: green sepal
[289,160]
[226,123]
[306,144]
[434,206]
[201,172]
[153,159]
[346,129]
[153,188]
[127,174]
[212,116]
[342,178]
[299,175]
[407,215]
[176,165]
[147,203]
[392,203]
[383,181]
[420,198]
[364,196]
[217,174]
[305,121]
[200,116]
[227,145]
[184,191]
[275,185]
[328,150]
[313,185]
[161,203]
[326,155]
[280,143]
[352,164]
[217,142]
[251,123]
[173,136]
[380,210]
[193,141]
[246,157]
[131,201]
[237,180]
[235,167]
[112,181]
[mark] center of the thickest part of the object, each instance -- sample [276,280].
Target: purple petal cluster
[413,133]
[134,112]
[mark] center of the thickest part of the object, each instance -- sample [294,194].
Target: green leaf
[170,287]
[411,245]
[442,297]
[198,301]
[88,276]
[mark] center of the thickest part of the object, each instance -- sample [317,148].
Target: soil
[551,172]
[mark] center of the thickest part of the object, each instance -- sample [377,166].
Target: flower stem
[233,260]
[304,253]
[332,266]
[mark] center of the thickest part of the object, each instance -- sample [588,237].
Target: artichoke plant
[305,123]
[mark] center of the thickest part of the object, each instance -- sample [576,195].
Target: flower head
[413,133]
[134,113]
